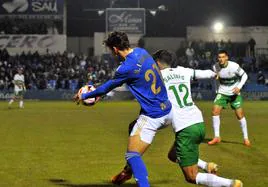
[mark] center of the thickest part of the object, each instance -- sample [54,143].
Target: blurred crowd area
[71,71]
[22,26]
[55,71]
[202,55]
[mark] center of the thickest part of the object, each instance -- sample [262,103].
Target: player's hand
[236,90]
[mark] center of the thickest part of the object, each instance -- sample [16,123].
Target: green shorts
[235,101]
[19,93]
[187,143]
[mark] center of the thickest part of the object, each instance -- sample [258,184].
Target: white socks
[202,164]
[216,125]
[11,101]
[243,124]
[21,104]
[212,180]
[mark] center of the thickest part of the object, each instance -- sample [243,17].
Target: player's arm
[244,77]
[204,74]
[121,76]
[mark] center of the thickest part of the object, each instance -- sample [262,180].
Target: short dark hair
[117,39]
[163,56]
[223,51]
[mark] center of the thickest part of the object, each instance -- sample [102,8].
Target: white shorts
[146,127]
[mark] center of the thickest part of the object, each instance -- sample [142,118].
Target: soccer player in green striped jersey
[231,80]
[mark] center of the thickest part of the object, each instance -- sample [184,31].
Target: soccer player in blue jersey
[140,72]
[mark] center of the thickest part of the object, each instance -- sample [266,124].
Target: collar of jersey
[225,65]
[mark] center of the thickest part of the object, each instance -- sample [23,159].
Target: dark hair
[222,51]
[117,39]
[163,56]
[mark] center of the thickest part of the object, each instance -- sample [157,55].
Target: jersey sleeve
[189,72]
[239,71]
[243,75]
[204,74]
[122,75]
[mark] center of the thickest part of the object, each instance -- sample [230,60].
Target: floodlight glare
[153,12]
[218,26]
[100,12]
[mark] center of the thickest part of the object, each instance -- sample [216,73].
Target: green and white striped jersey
[230,77]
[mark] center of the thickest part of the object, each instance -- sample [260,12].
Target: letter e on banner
[28,42]
[14,41]
[46,42]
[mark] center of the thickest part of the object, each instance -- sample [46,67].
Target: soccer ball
[89,101]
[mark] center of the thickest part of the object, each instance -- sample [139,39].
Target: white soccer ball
[89,101]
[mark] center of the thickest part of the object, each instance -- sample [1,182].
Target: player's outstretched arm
[102,90]
[121,76]
[204,74]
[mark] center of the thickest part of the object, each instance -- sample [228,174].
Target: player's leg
[140,139]
[136,147]
[220,102]
[209,167]
[126,173]
[236,104]
[216,111]
[187,149]
[12,99]
[21,105]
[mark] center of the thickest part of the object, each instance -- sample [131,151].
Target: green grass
[61,144]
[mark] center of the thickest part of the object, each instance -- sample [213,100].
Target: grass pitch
[61,144]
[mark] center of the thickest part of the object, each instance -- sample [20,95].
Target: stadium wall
[235,34]
[85,45]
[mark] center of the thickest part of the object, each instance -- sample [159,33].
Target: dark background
[180,14]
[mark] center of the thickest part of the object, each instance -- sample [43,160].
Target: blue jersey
[141,74]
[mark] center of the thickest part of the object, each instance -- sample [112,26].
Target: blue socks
[138,168]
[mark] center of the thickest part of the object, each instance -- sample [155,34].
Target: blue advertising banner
[32,9]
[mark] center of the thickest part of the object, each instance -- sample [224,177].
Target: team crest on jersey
[137,71]
[163,106]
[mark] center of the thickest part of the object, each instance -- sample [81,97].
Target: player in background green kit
[19,88]
[231,80]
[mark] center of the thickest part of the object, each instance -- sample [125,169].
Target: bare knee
[191,178]
[239,114]
[190,173]
[216,111]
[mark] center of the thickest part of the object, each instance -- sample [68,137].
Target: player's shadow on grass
[206,140]
[62,182]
